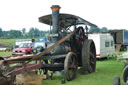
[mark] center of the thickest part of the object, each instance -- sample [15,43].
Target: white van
[104,43]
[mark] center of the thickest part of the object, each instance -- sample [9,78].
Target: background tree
[31,33]
[104,29]
[94,29]
[23,32]
[15,34]
[1,32]
[36,32]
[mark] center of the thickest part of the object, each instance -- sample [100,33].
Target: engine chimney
[55,22]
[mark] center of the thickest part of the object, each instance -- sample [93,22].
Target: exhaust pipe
[55,22]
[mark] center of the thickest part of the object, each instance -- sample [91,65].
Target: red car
[24,48]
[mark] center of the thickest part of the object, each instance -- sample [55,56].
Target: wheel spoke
[73,63]
[92,55]
[92,63]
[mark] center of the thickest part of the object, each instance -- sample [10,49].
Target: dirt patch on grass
[29,78]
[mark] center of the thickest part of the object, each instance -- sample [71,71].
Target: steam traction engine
[69,48]
[76,50]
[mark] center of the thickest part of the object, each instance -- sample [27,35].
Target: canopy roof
[65,20]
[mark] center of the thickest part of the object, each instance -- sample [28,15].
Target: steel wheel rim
[92,58]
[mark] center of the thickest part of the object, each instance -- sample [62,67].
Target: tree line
[35,33]
[32,33]
[97,29]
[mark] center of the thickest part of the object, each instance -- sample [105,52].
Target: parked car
[40,45]
[42,39]
[24,48]
[104,43]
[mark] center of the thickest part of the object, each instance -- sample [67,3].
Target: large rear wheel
[70,66]
[89,56]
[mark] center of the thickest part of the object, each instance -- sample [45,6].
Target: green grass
[2,54]
[7,42]
[106,71]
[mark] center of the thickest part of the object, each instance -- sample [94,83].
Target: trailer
[18,42]
[68,50]
[104,43]
[120,39]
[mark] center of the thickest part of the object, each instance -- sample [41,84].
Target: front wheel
[70,66]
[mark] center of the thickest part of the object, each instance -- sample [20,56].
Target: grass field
[106,71]
[6,53]
[7,42]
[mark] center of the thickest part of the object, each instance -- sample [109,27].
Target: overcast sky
[18,14]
